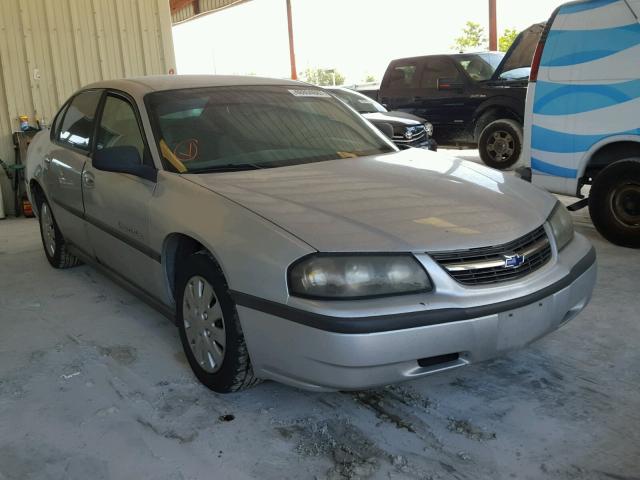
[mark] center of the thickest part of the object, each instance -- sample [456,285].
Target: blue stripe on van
[572,47]
[587,5]
[558,142]
[551,169]
[568,99]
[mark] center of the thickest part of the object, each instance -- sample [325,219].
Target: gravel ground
[94,385]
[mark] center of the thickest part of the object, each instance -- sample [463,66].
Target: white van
[582,117]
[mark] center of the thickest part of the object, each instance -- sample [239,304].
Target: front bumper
[314,353]
[427,144]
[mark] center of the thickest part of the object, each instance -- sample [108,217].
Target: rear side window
[77,125]
[57,121]
[437,68]
[403,75]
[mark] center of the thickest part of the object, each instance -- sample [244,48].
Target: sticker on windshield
[309,93]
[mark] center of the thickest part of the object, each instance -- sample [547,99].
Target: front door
[116,204]
[400,85]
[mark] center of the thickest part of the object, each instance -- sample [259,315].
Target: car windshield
[359,102]
[480,66]
[250,127]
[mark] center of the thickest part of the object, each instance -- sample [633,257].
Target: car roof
[139,86]
[452,55]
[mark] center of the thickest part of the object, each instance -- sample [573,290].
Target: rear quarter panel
[39,147]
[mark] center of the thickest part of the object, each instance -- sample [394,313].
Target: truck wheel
[55,247]
[500,144]
[210,330]
[614,203]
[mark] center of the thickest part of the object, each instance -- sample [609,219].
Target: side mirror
[123,159]
[385,128]
[450,84]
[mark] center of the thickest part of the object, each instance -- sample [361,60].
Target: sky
[356,37]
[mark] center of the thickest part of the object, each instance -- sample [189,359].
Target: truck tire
[55,247]
[500,144]
[614,202]
[209,326]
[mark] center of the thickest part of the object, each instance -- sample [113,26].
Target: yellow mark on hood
[440,223]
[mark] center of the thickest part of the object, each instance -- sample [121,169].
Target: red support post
[493,26]
[292,52]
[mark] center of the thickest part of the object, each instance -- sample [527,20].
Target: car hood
[520,54]
[394,118]
[412,200]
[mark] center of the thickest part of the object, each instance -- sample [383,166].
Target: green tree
[323,76]
[472,37]
[507,39]
[369,78]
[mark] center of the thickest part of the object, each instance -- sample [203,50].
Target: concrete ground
[94,385]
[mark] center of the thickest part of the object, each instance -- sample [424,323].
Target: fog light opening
[438,359]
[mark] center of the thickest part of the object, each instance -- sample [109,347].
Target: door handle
[88,180]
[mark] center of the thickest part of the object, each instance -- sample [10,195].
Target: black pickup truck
[472,99]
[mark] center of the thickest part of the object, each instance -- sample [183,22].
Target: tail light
[535,64]
[537,56]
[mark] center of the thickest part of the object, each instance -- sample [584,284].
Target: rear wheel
[614,203]
[500,144]
[55,247]
[210,330]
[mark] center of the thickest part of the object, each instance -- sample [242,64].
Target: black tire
[53,242]
[500,144]
[235,372]
[614,203]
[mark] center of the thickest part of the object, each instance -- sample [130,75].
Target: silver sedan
[290,240]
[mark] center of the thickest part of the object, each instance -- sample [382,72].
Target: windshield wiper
[231,167]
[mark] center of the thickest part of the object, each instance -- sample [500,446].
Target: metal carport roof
[183,10]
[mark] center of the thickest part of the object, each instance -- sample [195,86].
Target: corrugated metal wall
[50,48]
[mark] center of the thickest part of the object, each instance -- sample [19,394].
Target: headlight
[429,129]
[357,276]
[562,225]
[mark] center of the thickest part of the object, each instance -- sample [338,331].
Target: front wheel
[55,247]
[210,330]
[500,144]
[614,203]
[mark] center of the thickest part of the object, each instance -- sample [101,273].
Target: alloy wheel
[501,146]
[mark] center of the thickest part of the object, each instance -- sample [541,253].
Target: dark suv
[472,99]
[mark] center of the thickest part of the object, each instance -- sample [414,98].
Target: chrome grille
[488,265]
[418,134]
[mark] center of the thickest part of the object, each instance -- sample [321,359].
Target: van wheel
[209,326]
[55,247]
[500,144]
[614,203]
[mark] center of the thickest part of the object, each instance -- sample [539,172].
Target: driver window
[119,126]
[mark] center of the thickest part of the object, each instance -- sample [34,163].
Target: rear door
[441,98]
[400,85]
[117,204]
[64,164]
